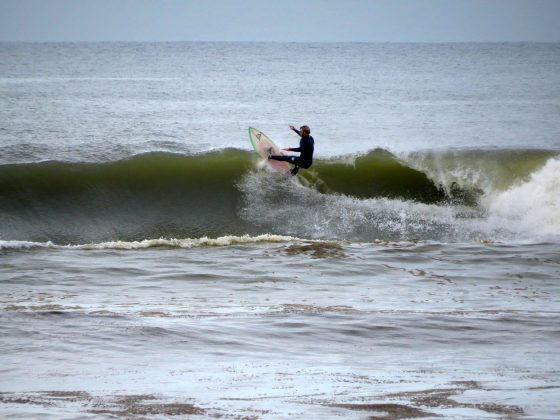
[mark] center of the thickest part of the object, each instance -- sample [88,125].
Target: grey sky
[280,20]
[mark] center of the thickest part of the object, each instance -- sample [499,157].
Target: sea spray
[532,208]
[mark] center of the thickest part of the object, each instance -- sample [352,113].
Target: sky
[281,20]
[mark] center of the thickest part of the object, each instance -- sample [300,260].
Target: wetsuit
[305,149]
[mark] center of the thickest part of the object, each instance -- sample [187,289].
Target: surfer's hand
[287,149]
[292,127]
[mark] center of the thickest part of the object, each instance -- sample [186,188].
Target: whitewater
[151,266]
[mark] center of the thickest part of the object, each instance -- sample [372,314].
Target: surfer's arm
[295,130]
[293,149]
[303,144]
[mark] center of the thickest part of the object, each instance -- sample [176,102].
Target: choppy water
[150,266]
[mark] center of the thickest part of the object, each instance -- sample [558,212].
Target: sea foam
[532,207]
[154,243]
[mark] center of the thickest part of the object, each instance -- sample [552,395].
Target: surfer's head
[304,130]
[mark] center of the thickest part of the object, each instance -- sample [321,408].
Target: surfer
[305,149]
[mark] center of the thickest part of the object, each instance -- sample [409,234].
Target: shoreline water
[282,329]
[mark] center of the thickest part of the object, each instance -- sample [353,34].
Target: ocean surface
[151,266]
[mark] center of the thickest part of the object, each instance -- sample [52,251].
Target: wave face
[451,196]
[148,196]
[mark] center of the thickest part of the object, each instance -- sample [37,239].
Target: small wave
[189,243]
[7,245]
[153,243]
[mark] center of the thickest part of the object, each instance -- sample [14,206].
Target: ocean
[151,266]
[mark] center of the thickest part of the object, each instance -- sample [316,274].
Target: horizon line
[271,42]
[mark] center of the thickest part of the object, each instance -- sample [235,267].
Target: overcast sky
[280,20]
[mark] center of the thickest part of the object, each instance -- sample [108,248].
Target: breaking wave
[443,196]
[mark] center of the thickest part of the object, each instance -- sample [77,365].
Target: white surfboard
[265,147]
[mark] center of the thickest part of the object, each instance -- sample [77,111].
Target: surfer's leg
[294,160]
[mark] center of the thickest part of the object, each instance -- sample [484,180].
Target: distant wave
[442,196]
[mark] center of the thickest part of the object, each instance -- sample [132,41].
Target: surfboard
[264,146]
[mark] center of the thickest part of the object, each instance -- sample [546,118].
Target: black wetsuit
[305,149]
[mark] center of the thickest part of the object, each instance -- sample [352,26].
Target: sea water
[151,266]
